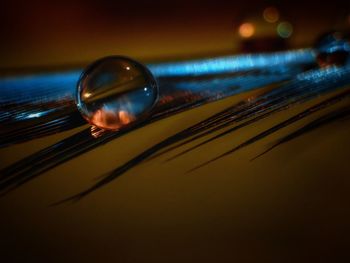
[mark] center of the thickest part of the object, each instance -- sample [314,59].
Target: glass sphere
[115,91]
[332,49]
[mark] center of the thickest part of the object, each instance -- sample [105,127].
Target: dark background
[290,206]
[52,33]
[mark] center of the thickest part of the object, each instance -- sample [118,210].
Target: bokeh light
[285,29]
[246,30]
[271,14]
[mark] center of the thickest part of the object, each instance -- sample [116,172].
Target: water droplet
[332,49]
[115,91]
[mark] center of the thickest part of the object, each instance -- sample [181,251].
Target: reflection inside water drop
[115,91]
[332,49]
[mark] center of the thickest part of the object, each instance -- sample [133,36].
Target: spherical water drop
[115,91]
[333,49]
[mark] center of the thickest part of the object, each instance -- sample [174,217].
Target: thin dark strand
[280,106]
[281,125]
[260,105]
[336,115]
[120,170]
[210,122]
[262,113]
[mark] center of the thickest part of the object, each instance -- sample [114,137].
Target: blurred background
[63,33]
[289,206]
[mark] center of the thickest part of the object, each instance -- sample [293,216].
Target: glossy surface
[115,91]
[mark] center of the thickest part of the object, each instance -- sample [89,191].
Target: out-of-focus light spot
[87,95]
[127,68]
[34,115]
[246,30]
[284,29]
[271,14]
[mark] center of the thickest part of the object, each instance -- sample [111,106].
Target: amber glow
[124,117]
[246,30]
[271,14]
[111,120]
[87,95]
